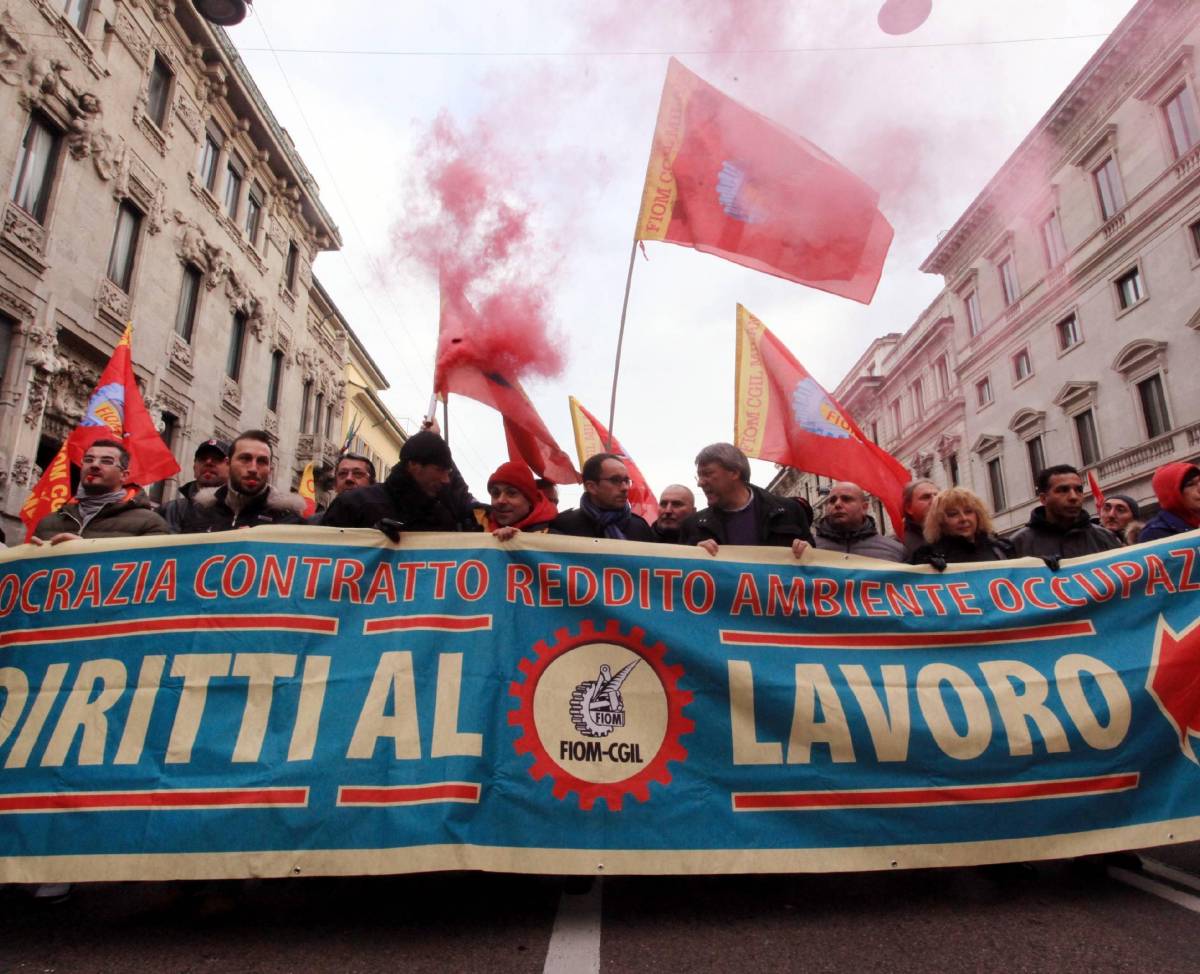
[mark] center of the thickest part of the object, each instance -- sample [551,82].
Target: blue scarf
[611,521]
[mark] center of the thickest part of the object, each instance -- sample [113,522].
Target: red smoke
[469,228]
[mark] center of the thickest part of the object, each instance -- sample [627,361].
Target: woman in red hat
[517,504]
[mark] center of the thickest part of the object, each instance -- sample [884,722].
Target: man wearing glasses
[103,506]
[604,510]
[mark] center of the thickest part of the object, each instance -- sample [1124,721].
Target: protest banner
[308,701]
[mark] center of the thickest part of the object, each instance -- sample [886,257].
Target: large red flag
[50,493]
[782,414]
[592,438]
[728,181]
[116,410]
[460,369]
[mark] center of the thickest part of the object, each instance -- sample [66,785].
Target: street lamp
[226,13]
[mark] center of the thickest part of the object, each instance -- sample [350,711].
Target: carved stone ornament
[12,51]
[193,245]
[86,137]
[130,34]
[41,350]
[189,115]
[231,394]
[39,389]
[24,237]
[112,303]
[304,445]
[181,354]
[271,423]
[20,471]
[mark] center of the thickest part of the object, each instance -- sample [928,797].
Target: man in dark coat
[103,506]
[740,513]
[422,493]
[1060,527]
[210,468]
[918,495]
[848,528]
[675,505]
[248,500]
[604,510]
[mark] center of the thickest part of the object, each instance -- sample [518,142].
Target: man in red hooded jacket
[517,504]
[1177,486]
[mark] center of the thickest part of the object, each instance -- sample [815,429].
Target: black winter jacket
[781,520]
[210,511]
[400,499]
[950,549]
[576,522]
[865,540]
[1040,538]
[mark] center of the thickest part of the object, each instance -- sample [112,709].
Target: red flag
[116,410]
[782,414]
[50,493]
[1097,493]
[458,369]
[728,181]
[592,438]
[308,490]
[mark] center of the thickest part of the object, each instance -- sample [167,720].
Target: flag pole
[612,402]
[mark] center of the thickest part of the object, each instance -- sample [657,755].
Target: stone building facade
[149,181]
[1070,318]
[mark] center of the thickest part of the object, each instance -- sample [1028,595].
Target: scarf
[611,521]
[92,504]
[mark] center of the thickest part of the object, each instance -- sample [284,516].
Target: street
[1048,916]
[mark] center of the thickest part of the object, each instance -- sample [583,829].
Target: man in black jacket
[210,468]
[603,510]
[422,493]
[248,499]
[1060,527]
[740,513]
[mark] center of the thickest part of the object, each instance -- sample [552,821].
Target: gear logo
[601,712]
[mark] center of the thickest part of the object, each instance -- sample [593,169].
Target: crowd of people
[231,488]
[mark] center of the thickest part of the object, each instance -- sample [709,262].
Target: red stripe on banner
[116,801]
[438,623]
[325,625]
[945,795]
[908,640]
[446,791]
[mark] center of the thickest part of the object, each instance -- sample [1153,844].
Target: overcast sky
[567,93]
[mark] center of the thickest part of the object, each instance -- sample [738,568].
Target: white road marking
[575,943]
[1161,890]
[1177,876]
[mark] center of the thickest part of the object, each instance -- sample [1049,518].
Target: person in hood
[1059,527]
[424,492]
[103,507]
[517,503]
[1120,513]
[210,468]
[248,500]
[959,529]
[848,528]
[1177,487]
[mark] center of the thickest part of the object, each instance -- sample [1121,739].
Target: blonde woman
[958,528]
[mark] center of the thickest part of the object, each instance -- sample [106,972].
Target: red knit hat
[517,475]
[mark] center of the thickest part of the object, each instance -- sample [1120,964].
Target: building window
[233,185]
[76,11]
[124,246]
[1037,456]
[237,341]
[952,469]
[1180,110]
[7,327]
[918,398]
[875,432]
[1154,406]
[35,168]
[1053,244]
[897,425]
[943,377]
[1008,281]
[974,318]
[158,94]
[1129,288]
[1085,432]
[317,411]
[1022,365]
[209,156]
[329,420]
[275,381]
[1108,186]
[1069,334]
[189,298]
[983,391]
[305,405]
[254,209]
[291,267]
[995,471]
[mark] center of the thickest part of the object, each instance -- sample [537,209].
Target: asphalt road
[1056,916]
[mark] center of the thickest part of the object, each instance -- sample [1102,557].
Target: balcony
[1152,453]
